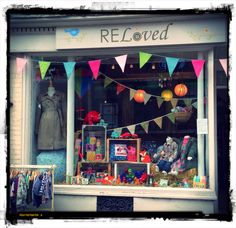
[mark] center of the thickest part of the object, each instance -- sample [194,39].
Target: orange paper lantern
[167,95]
[139,96]
[181,90]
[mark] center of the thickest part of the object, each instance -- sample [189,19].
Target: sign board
[202,126]
[144,34]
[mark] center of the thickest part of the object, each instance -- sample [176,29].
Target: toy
[127,135]
[92,118]
[118,181]
[132,156]
[108,180]
[144,156]
[129,176]
[115,134]
[143,178]
[102,123]
[163,183]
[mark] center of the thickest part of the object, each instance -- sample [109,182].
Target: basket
[182,117]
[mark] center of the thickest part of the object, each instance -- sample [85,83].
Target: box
[93,143]
[123,149]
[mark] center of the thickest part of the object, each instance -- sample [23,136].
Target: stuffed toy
[144,156]
[127,135]
[91,118]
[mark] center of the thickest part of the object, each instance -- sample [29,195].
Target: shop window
[137,128]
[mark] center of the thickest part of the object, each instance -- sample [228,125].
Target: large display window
[141,120]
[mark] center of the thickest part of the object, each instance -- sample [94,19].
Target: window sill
[141,192]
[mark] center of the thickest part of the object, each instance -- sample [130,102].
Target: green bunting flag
[43,66]
[131,128]
[158,121]
[195,104]
[174,102]
[146,97]
[188,101]
[145,126]
[131,94]
[159,101]
[143,58]
[171,117]
[107,82]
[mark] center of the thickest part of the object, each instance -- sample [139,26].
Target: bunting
[160,100]
[194,105]
[188,101]
[197,66]
[171,63]
[107,82]
[69,68]
[143,58]
[121,60]
[43,66]
[145,126]
[146,97]
[224,64]
[94,66]
[171,117]
[174,102]
[158,121]
[20,64]
[131,128]
[119,88]
[131,94]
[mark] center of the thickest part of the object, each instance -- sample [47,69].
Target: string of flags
[121,61]
[145,124]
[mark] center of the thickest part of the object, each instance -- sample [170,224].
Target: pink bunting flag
[95,65]
[224,64]
[20,64]
[119,89]
[121,60]
[198,65]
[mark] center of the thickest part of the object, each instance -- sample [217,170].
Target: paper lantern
[181,90]
[139,96]
[167,95]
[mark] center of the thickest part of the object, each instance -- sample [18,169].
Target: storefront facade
[175,40]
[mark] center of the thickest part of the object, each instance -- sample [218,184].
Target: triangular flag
[131,128]
[20,64]
[197,66]
[194,105]
[119,88]
[174,102]
[188,101]
[118,130]
[159,101]
[143,58]
[107,82]
[146,97]
[171,117]
[171,63]
[69,67]
[43,66]
[158,121]
[145,126]
[121,60]
[131,94]
[95,65]
[224,64]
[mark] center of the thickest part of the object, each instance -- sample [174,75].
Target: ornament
[181,90]
[139,96]
[167,95]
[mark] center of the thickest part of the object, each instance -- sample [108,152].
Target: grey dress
[51,121]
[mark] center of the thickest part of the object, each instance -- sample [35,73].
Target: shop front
[125,107]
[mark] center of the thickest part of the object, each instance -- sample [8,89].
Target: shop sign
[163,33]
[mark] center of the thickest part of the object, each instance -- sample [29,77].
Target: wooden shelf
[130,162]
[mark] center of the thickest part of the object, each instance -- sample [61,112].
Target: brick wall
[16,82]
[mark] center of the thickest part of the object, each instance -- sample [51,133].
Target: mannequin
[51,89]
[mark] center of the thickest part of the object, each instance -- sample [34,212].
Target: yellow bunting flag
[131,128]
[174,102]
[131,94]
[146,97]
[145,126]
[158,121]
[188,101]
[159,101]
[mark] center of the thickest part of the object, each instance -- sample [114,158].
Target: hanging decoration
[139,96]
[181,90]
[145,126]
[171,117]
[160,100]
[131,128]
[43,66]
[146,97]
[158,121]
[167,95]
[95,65]
[20,64]
[107,82]
[174,102]
[224,64]
[132,92]
[197,66]
[69,68]
[119,88]
[188,101]
[143,58]
[194,105]
[121,60]
[171,63]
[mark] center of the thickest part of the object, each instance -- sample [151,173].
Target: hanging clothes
[44,189]
[21,192]
[36,194]
[13,193]
[51,121]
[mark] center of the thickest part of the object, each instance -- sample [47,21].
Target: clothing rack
[51,167]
